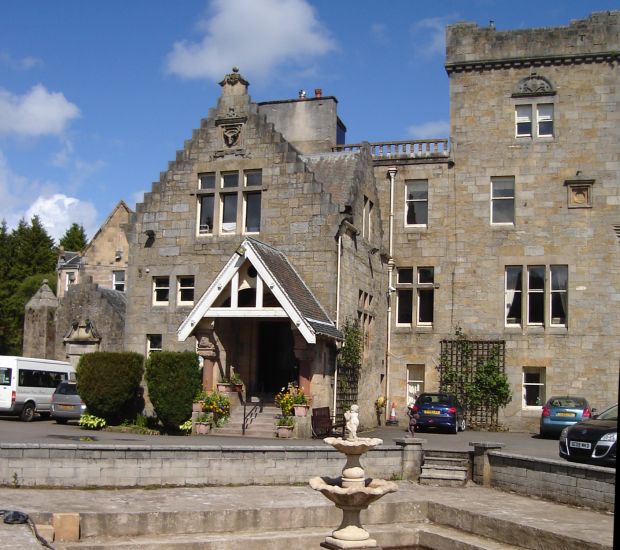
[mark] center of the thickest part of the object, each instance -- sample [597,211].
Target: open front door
[277,365]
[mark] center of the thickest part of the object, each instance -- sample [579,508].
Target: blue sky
[96,96]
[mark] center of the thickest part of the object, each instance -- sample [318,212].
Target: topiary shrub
[173,379]
[109,384]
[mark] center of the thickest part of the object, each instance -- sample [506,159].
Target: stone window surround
[242,190]
[367,213]
[154,343]
[542,383]
[415,288]
[119,280]
[493,199]
[534,102]
[547,324]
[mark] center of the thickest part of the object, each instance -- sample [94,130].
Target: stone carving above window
[533,85]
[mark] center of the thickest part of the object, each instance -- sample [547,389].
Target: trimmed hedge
[173,379]
[109,384]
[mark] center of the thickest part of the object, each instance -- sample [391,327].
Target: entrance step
[446,469]
[263,425]
[440,537]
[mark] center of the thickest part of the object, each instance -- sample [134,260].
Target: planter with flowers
[285,426]
[300,402]
[202,424]
[233,383]
[218,405]
[292,401]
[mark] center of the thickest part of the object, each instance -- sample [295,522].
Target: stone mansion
[268,232]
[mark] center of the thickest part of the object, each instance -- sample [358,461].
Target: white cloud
[430,35]
[57,212]
[22,64]
[255,36]
[429,130]
[36,113]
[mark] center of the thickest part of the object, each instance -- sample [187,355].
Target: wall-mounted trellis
[348,379]
[460,358]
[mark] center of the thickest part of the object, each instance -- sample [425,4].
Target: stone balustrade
[408,149]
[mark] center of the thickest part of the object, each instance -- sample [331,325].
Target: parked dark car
[563,411]
[592,440]
[439,410]
[66,403]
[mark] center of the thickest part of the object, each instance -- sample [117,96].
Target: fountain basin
[355,496]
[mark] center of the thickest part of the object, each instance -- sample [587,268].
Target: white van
[27,384]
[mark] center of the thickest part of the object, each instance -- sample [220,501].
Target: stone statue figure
[352,422]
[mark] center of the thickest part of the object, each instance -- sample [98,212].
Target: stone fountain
[352,492]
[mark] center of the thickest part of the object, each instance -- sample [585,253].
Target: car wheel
[463,426]
[61,420]
[27,412]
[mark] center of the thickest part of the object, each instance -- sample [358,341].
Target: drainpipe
[388,351]
[337,321]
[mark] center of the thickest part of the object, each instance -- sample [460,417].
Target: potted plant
[300,402]
[236,381]
[202,424]
[199,401]
[284,426]
[219,406]
[284,400]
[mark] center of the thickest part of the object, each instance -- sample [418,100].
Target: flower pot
[202,428]
[197,406]
[224,387]
[301,410]
[284,432]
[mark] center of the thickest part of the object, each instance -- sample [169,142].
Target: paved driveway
[43,431]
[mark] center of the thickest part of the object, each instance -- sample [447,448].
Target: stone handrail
[407,149]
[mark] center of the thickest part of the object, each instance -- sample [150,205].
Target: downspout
[388,347]
[337,321]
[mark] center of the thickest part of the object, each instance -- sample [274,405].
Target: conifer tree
[74,238]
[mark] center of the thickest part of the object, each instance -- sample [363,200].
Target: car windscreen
[609,414]
[5,376]
[441,399]
[568,402]
[67,389]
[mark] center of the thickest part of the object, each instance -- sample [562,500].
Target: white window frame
[541,118]
[523,117]
[408,184]
[558,292]
[508,298]
[415,381]
[159,286]
[542,398]
[181,287]
[496,200]
[424,287]
[70,278]
[404,287]
[534,115]
[149,343]
[116,283]
[531,292]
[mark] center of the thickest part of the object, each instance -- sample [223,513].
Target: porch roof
[296,299]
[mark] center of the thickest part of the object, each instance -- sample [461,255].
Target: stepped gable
[300,295]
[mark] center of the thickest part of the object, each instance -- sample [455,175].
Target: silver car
[66,403]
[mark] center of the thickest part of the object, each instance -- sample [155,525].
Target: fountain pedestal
[352,493]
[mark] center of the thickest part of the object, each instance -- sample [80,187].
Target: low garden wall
[566,482]
[73,465]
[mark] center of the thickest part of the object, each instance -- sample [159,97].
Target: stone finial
[234,78]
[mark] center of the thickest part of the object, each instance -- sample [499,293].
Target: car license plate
[565,414]
[580,445]
[65,407]
[431,411]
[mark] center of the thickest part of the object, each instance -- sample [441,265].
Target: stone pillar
[412,456]
[208,350]
[482,468]
[304,353]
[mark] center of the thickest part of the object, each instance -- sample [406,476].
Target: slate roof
[297,291]
[69,260]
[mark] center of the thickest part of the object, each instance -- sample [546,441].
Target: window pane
[425,306]
[523,116]
[558,308]
[559,277]
[426,275]
[207,181]
[405,306]
[252,212]
[206,214]
[524,128]
[536,278]
[536,310]
[514,277]
[417,191]
[230,179]
[417,213]
[504,187]
[186,289]
[545,128]
[513,306]
[229,213]
[254,178]
[533,395]
[405,275]
[503,211]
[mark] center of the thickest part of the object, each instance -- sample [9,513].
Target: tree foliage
[109,384]
[173,379]
[74,238]
[27,256]
[350,355]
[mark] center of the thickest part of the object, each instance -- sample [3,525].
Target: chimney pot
[318,92]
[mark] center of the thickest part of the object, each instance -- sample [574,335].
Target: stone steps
[445,469]
[263,425]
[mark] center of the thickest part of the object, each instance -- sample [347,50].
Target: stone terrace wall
[69,465]
[569,483]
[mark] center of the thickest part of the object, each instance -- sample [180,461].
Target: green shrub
[91,422]
[173,379]
[109,384]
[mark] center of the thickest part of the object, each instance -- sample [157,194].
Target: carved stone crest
[533,85]
[230,134]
